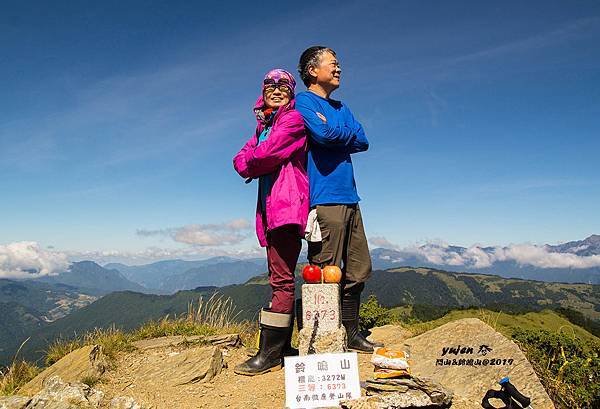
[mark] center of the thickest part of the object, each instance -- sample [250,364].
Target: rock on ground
[472,339]
[56,394]
[14,402]
[88,361]
[409,392]
[390,335]
[228,340]
[178,367]
[124,402]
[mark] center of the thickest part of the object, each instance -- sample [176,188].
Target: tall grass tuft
[489,317]
[17,374]
[217,312]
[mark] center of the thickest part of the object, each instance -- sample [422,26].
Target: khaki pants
[343,242]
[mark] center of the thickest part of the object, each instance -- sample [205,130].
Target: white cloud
[380,241]
[152,254]
[26,259]
[229,233]
[200,241]
[540,257]
[476,256]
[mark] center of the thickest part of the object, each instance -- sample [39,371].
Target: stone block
[321,342]
[321,307]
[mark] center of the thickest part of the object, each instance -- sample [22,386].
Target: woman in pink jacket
[276,156]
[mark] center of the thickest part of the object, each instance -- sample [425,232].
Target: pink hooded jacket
[283,155]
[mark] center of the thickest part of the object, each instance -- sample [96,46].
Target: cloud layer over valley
[476,256]
[26,259]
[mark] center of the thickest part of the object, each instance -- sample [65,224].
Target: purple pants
[283,249]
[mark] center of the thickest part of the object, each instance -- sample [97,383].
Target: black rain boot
[274,328]
[356,341]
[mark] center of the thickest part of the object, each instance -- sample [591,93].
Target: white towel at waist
[312,231]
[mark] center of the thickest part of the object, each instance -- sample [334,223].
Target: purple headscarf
[278,74]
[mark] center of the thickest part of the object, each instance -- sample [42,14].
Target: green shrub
[374,315]
[568,367]
[90,380]
[425,312]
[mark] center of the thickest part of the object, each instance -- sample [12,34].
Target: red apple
[312,274]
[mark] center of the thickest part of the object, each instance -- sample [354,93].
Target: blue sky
[119,119]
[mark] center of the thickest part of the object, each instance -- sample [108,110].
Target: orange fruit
[332,274]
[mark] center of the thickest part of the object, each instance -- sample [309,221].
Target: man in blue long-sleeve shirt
[334,134]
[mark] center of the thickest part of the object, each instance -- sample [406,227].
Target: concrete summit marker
[322,331]
[321,302]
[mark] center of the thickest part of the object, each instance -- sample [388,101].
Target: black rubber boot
[274,329]
[356,341]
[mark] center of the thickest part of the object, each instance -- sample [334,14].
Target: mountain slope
[27,307]
[396,287]
[175,275]
[93,279]
[218,274]
[584,248]
[404,286]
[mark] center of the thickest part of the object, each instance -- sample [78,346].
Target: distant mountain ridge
[584,248]
[169,276]
[91,278]
[384,258]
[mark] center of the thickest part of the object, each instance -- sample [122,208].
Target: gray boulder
[124,402]
[470,357]
[14,402]
[57,394]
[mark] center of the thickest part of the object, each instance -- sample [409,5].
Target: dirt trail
[226,390]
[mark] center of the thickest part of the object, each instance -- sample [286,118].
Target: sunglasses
[283,85]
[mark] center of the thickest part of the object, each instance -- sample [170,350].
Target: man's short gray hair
[310,58]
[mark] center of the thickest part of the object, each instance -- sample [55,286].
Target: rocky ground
[176,372]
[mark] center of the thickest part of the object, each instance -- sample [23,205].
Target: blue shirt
[330,171]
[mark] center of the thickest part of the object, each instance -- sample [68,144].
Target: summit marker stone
[322,331]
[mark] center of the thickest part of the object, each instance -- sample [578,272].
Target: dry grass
[59,348]
[208,317]
[17,374]
[214,316]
